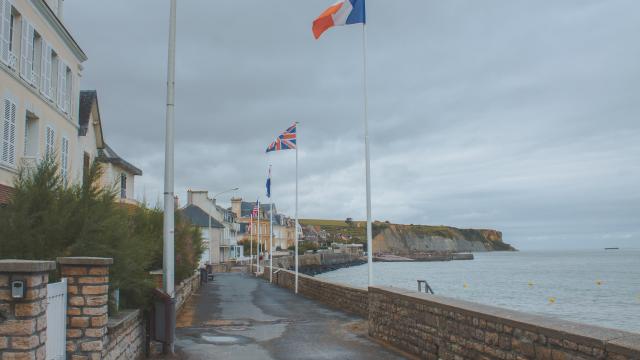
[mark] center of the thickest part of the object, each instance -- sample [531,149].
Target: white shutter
[5,30]
[30,53]
[68,91]
[24,50]
[50,141]
[62,84]
[9,133]
[64,160]
[43,68]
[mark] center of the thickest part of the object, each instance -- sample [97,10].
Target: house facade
[223,237]
[40,68]
[117,173]
[283,227]
[44,114]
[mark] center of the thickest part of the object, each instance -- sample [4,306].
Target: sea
[598,287]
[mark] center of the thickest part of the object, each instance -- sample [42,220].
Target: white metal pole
[251,243]
[168,221]
[367,156]
[271,242]
[259,236]
[296,239]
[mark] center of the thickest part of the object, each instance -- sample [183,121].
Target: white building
[40,68]
[222,236]
[44,114]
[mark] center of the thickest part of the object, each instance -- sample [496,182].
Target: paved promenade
[240,317]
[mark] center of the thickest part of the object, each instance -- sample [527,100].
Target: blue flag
[269,183]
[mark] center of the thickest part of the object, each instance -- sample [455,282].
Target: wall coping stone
[564,329]
[26,266]
[122,319]
[628,346]
[301,275]
[85,261]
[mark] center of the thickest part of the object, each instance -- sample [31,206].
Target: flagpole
[251,243]
[168,262]
[271,243]
[297,235]
[259,236]
[367,156]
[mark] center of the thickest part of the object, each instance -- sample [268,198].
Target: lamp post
[213,201]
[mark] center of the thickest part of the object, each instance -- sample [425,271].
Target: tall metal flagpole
[367,156]
[270,231]
[251,243]
[259,235]
[168,226]
[297,235]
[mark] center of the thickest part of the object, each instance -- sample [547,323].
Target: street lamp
[213,201]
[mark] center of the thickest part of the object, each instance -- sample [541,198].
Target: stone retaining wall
[434,327]
[346,298]
[288,262]
[125,336]
[186,288]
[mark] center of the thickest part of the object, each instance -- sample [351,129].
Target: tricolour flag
[286,140]
[344,12]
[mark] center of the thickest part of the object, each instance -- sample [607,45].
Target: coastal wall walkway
[238,316]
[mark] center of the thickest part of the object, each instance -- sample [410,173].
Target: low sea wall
[342,297]
[435,327]
[313,264]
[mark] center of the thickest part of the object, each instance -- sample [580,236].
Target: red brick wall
[5,193]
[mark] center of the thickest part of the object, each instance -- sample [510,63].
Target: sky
[514,115]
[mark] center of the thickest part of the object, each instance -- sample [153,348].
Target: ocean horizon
[597,287]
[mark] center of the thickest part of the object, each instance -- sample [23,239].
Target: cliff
[409,239]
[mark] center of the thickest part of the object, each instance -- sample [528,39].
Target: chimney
[60,9]
[236,206]
[176,202]
[189,197]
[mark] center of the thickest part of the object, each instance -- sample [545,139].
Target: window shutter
[43,68]
[64,160]
[5,30]
[68,91]
[30,54]
[46,85]
[62,84]
[50,141]
[24,49]
[9,133]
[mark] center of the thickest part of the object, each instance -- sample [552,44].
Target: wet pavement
[240,317]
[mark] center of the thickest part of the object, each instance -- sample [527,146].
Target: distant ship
[612,248]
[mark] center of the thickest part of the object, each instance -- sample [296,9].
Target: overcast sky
[522,116]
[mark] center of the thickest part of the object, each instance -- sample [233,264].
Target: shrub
[46,219]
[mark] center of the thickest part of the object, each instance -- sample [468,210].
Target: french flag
[345,12]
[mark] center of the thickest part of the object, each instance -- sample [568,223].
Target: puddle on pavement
[222,340]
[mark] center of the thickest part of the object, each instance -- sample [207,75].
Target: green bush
[46,219]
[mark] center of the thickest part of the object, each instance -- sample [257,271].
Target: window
[123,186]
[55,79]
[8,155]
[27,52]
[31,136]
[49,143]
[64,161]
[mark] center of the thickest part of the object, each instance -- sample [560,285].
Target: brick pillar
[87,305]
[23,322]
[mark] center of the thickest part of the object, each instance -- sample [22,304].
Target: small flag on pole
[256,208]
[286,140]
[344,12]
[269,183]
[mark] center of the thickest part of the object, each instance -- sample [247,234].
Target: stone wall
[186,288]
[346,298]
[434,327]
[288,262]
[125,336]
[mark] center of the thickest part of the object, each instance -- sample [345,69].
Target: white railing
[29,163]
[13,60]
[34,78]
[56,344]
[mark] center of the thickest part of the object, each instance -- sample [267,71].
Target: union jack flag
[254,213]
[286,140]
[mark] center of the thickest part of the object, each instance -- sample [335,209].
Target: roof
[199,217]
[247,207]
[87,99]
[107,155]
[59,27]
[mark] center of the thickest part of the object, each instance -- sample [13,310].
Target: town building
[117,173]
[283,227]
[40,69]
[218,225]
[44,114]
